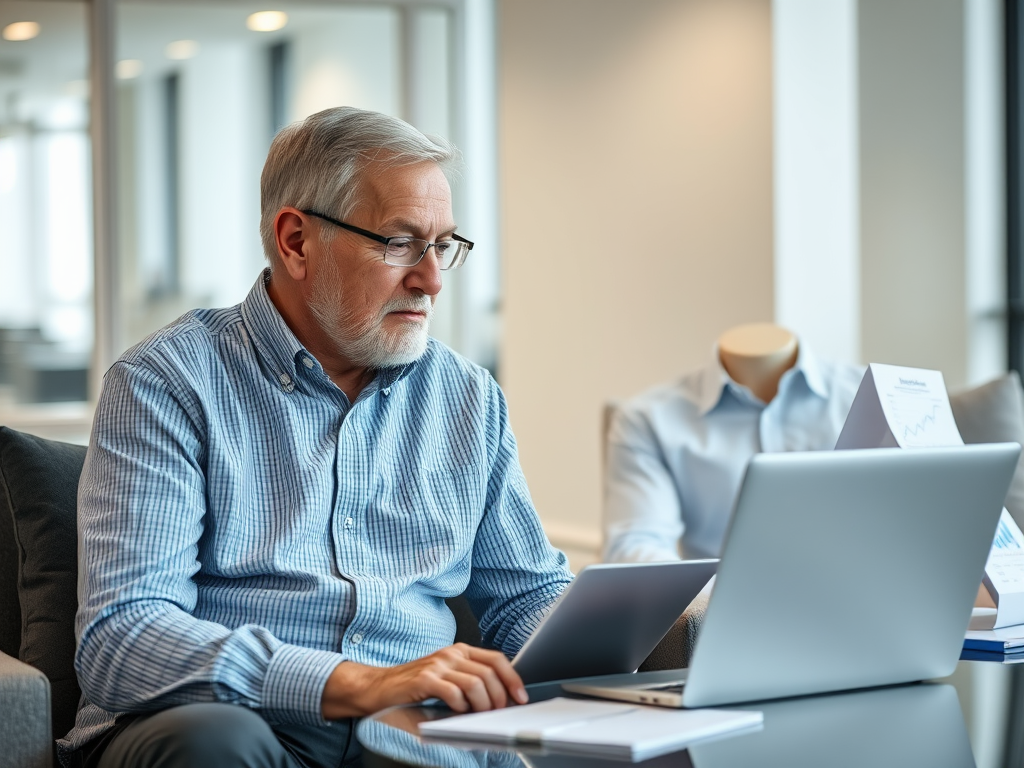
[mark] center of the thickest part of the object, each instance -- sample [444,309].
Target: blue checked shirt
[244,528]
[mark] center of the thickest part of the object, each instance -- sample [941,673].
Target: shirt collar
[275,341]
[713,380]
[281,348]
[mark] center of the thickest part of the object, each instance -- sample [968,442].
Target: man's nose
[426,275]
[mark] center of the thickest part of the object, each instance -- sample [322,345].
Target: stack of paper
[630,731]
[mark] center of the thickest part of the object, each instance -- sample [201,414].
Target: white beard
[368,343]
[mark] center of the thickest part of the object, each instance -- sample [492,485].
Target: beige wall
[636,197]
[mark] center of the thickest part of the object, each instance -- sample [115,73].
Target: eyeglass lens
[407,252]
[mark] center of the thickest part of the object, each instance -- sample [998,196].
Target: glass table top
[964,720]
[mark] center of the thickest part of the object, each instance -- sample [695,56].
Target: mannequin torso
[756,355]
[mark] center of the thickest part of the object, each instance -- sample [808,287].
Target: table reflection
[915,725]
[920,724]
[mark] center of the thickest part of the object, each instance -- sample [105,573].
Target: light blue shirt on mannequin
[677,453]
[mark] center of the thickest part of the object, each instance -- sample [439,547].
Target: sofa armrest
[24,716]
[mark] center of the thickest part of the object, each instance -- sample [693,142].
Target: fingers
[508,677]
[481,686]
[464,677]
[472,678]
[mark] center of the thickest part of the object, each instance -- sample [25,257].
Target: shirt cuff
[294,686]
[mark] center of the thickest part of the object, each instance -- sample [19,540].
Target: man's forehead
[403,223]
[411,198]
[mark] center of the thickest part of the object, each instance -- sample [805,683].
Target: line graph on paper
[921,420]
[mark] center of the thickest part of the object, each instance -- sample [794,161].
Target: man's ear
[294,235]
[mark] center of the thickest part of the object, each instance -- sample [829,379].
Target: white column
[817,268]
[476,202]
[104,173]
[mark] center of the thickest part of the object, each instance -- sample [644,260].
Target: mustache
[419,303]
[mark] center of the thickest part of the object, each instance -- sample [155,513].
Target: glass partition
[46,325]
[202,88]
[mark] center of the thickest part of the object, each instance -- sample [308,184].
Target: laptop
[841,570]
[610,618]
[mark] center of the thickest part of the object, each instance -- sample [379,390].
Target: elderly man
[279,496]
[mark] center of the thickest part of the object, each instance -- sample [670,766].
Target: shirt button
[286,382]
[357,639]
[307,362]
[349,522]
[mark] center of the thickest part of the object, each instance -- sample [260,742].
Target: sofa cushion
[10,606]
[994,413]
[40,480]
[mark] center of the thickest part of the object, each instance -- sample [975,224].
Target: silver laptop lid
[847,569]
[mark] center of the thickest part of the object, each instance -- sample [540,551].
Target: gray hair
[318,163]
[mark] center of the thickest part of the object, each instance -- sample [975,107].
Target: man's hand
[463,677]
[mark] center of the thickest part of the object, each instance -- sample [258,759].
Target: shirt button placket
[351,496]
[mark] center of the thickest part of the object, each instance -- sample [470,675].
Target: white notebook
[581,726]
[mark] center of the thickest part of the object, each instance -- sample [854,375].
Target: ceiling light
[21,30]
[128,69]
[180,50]
[267,21]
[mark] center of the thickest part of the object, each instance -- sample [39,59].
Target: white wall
[636,155]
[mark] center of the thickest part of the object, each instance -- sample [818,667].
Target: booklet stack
[597,728]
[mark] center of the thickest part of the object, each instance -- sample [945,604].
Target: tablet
[610,618]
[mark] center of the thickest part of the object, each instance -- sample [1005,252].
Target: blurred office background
[641,175]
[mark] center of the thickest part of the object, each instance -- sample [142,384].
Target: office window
[45,205]
[185,102]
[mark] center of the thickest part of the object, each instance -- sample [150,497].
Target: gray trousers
[198,735]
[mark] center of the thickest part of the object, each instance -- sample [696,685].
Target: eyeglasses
[408,251]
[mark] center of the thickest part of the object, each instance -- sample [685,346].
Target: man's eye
[443,246]
[400,247]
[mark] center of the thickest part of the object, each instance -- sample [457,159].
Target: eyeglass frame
[387,240]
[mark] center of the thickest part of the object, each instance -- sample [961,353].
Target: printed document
[909,408]
[1004,573]
[900,407]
